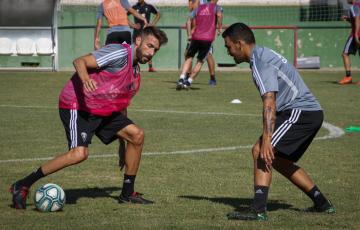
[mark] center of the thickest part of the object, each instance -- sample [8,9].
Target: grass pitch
[197,163]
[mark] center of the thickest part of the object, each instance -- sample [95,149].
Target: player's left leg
[134,136]
[116,127]
[290,144]
[301,179]
[211,66]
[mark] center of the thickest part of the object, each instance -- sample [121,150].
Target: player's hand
[146,23]
[267,152]
[344,18]
[90,85]
[357,40]
[137,26]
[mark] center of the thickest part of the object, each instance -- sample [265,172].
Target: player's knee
[79,154]
[138,137]
[255,151]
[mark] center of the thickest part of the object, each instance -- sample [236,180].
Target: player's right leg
[262,180]
[79,134]
[349,48]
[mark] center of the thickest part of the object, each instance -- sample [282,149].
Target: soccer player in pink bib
[94,101]
[207,18]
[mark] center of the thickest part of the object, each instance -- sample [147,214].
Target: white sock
[182,76]
[190,80]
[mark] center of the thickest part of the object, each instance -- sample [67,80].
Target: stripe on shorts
[347,45]
[73,128]
[284,127]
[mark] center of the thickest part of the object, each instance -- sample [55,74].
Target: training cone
[352,129]
[236,101]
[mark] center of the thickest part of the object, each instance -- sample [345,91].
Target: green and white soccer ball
[49,198]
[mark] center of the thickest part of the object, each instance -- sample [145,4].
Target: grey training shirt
[271,72]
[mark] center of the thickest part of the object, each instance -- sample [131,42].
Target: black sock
[212,77]
[187,76]
[260,198]
[150,65]
[128,185]
[317,197]
[348,73]
[31,178]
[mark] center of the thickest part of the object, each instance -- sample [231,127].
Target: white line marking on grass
[143,110]
[334,132]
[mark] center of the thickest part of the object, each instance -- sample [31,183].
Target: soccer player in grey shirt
[291,118]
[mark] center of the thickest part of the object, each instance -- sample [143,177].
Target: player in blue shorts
[291,118]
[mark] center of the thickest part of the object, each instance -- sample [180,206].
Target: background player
[206,18]
[352,45]
[91,103]
[115,12]
[193,4]
[291,118]
[145,10]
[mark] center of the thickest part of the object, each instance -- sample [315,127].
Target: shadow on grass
[242,204]
[72,195]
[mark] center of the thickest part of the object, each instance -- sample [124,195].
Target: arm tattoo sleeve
[269,114]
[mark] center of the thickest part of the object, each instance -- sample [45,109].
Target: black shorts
[351,47]
[119,37]
[81,126]
[200,47]
[294,131]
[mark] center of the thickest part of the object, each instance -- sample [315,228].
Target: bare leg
[293,173]
[135,141]
[346,60]
[262,176]
[196,69]
[186,66]
[74,156]
[211,64]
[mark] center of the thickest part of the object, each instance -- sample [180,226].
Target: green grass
[191,191]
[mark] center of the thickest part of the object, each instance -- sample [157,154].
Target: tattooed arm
[269,115]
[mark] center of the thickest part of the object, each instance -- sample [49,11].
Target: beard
[141,58]
[237,60]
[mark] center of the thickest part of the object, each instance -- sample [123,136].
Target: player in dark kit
[291,118]
[146,10]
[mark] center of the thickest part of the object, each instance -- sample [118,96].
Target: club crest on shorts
[83,136]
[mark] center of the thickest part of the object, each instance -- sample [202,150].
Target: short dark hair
[239,31]
[156,32]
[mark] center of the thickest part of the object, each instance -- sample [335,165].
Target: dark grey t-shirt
[271,72]
[112,57]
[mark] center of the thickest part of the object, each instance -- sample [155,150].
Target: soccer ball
[49,198]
